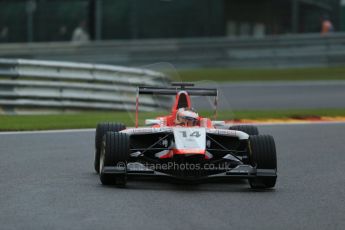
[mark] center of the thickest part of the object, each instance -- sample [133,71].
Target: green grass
[302,74]
[89,120]
[67,121]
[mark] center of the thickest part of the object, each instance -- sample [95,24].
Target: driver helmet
[187,117]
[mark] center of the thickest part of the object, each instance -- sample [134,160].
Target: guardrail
[284,51]
[30,86]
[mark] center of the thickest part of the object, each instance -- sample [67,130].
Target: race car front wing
[240,171]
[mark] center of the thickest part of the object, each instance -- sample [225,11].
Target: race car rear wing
[174,90]
[176,87]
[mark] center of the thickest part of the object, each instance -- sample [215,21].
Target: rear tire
[115,152]
[263,156]
[249,129]
[101,130]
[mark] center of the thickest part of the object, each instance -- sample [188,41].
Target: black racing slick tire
[249,129]
[101,130]
[263,156]
[115,151]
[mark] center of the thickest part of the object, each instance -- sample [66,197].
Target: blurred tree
[13,16]
[55,20]
[342,15]
[51,16]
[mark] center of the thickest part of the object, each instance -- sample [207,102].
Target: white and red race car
[189,151]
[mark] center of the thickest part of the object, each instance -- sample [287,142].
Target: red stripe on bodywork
[189,151]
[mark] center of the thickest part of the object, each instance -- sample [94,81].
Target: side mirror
[150,122]
[218,123]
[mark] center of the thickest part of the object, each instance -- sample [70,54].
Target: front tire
[263,156]
[249,129]
[115,151]
[101,130]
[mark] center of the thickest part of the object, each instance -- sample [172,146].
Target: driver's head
[187,117]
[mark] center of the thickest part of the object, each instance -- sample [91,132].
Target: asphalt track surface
[276,95]
[47,182]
